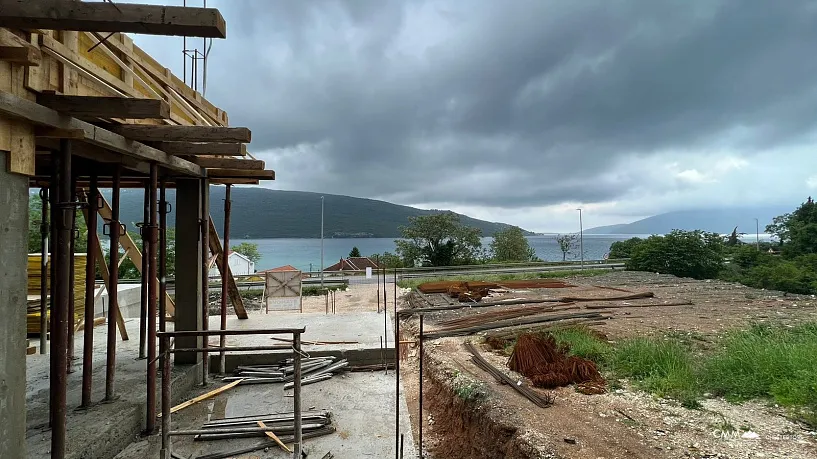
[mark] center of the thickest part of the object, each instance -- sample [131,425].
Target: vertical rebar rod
[59,338]
[376,273]
[296,396]
[165,452]
[71,318]
[420,416]
[397,436]
[205,277]
[225,266]
[385,323]
[143,300]
[54,197]
[90,289]
[115,230]
[44,230]
[151,237]
[164,209]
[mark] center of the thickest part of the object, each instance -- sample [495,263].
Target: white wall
[238,265]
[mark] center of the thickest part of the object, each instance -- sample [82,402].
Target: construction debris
[205,396]
[470,330]
[446,286]
[326,430]
[313,370]
[547,365]
[540,400]
[477,319]
[271,425]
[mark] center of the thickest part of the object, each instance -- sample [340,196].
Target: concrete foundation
[13,252]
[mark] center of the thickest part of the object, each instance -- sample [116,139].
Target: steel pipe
[149,277]
[90,288]
[205,278]
[420,395]
[255,331]
[225,266]
[143,300]
[71,318]
[166,404]
[54,197]
[296,396]
[397,436]
[115,230]
[44,230]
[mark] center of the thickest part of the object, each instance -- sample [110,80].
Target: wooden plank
[133,251]
[232,288]
[274,437]
[105,273]
[204,396]
[106,107]
[142,133]
[54,133]
[201,148]
[92,71]
[17,107]
[233,181]
[232,163]
[258,175]
[105,17]
[21,55]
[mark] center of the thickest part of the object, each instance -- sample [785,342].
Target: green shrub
[623,249]
[682,253]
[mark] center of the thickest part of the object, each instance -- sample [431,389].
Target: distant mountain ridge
[263,213]
[712,220]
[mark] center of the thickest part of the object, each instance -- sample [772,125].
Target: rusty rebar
[143,300]
[44,231]
[420,395]
[225,266]
[115,231]
[71,319]
[59,341]
[296,399]
[150,236]
[90,289]
[205,275]
[397,436]
[164,209]
[166,403]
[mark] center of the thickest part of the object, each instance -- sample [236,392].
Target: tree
[623,249]
[511,244]
[35,207]
[733,238]
[779,228]
[567,242]
[438,240]
[388,259]
[355,253]
[693,254]
[249,250]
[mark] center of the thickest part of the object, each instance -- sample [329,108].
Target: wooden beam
[258,175]
[105,17]
[54,133]
[230,163]
[232,287]
[144,132]
[17,107]
[233,181]
[21,55]
[199,148]
[106,107]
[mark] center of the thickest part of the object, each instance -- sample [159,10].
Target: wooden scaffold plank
[106,107]
[107,17]
[232,288]
[149,133]
[202,148]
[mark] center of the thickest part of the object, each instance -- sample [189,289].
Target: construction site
[440,369]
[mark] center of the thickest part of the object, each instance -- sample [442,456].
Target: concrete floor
[362,406]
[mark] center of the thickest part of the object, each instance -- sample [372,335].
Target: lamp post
[321,241]
[757,234]
[581,238]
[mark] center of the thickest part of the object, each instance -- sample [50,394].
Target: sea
[305,254]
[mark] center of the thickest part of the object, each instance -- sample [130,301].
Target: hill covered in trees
[265,213]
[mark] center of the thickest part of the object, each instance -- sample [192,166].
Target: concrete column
[13,287]
[188,266]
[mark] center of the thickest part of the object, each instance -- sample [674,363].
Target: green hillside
[264,213]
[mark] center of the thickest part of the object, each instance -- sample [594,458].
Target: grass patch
[767,362]
[583,343]
[414,282]
[663,367]
[468,389]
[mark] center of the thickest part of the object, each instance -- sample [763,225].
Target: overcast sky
[521,111]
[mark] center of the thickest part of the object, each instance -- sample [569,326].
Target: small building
[240,265]
[353,264]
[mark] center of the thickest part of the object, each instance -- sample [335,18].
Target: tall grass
[583,342]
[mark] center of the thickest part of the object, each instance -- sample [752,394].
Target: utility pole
[581,237]
[321,241]
[757,234]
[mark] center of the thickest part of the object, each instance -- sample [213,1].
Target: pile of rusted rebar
[490,325]
[487,317]
[280,424]
[548,366]
[312,370]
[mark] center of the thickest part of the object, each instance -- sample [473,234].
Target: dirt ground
[627,423]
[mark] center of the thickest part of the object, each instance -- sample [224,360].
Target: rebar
[420,395]
[150,236]
[397,436]
[225,266]
[115,230]
[296,347]
[92,207]
[143,300]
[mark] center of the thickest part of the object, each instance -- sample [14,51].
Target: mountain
[713,220]
[264,213]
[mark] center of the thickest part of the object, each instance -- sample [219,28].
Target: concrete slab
[362,406]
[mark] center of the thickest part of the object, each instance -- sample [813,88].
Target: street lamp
[321,241]
[581,237]
[757,234]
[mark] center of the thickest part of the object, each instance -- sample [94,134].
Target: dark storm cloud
[509,104]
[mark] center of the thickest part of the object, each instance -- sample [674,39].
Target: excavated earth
[467,414]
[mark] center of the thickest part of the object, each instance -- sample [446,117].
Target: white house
[239,265]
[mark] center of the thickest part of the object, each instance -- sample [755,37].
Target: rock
[749,435]
[570,440]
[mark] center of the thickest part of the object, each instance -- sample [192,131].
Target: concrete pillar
[188,266]
[13,287]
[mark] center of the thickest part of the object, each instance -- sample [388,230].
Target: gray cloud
[511,104]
